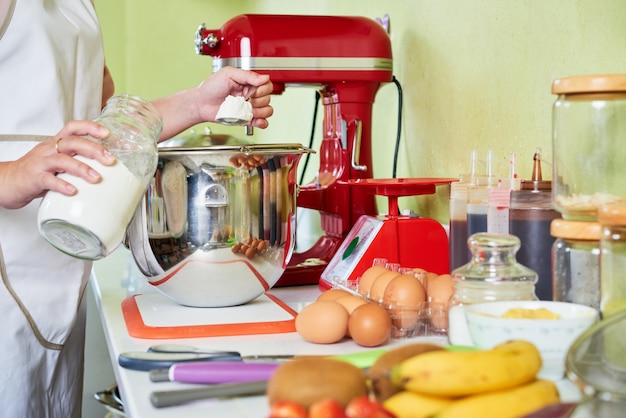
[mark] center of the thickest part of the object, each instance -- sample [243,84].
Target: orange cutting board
[153,316]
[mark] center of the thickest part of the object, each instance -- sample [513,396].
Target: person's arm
[32,175]
[187,108]
[108,86]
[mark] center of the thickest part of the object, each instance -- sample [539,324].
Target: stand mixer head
[347,58]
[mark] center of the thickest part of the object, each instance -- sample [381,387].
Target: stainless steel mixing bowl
[217,224]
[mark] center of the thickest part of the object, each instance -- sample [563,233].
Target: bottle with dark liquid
[530,215]
[459,254]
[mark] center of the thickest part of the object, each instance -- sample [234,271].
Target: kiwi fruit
[308,379]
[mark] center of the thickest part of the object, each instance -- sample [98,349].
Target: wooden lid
[612,215]
[608,83]
[588,231]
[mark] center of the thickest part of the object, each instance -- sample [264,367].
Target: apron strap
[6,13]
[5,279]
[36,138]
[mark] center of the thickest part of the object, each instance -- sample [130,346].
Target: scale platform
[407,240]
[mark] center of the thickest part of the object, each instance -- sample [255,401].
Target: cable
[399,127]
[307,157]
[398,130]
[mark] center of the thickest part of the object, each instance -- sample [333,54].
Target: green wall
[476,74]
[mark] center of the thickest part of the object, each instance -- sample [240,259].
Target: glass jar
[91,224]
[576,262]
[596,364]
[589,133]
[612,259]
[493,274]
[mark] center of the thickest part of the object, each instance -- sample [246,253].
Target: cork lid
[612,215]
[608,83]
[589,231]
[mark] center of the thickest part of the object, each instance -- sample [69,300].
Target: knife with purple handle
[211,372]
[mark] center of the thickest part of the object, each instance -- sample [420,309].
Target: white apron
[51,67]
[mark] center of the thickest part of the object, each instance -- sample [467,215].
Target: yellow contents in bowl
[522,313]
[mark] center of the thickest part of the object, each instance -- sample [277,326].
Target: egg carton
[426,319]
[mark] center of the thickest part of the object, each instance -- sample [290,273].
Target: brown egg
[403,297]
[440,289]
[404,290]
[351,302]
[333,294]
[377,291]
[322,322]
[370,325]
[430,276]
[439,292]
[368,277]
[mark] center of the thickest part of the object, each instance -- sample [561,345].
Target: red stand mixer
[347,59]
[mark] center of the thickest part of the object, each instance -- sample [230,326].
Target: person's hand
[32,175]
[236,82]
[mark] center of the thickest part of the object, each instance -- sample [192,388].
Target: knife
[211,372]
[145,361]
[176,397]
[362,360]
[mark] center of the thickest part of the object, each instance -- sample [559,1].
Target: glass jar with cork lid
[589,144]
[612,218]
[576,262]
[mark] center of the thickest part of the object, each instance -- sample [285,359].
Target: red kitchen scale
[407,240]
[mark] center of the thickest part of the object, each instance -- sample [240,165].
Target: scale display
[351,251]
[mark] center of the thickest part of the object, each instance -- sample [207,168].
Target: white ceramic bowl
[552,337]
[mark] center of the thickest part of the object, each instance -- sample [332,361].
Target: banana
[460,373]
[508,403]
[408,404]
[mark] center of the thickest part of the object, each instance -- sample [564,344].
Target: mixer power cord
[398,130]
[313,124]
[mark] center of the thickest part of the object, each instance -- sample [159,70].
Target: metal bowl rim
[238,149]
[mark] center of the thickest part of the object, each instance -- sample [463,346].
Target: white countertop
[135,386]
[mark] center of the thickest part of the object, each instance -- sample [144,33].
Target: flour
[92,223]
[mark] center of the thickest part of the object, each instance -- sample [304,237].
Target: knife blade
[167,398]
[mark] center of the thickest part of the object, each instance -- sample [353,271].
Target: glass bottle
[478,199]
[530,215]
[91,224]
[576,262]
[493,274]
[458,216]
[500,200]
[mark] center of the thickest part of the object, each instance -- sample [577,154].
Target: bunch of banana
[498,383]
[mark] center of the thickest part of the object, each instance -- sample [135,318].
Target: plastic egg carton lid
[424,319]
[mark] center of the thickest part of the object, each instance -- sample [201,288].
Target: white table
[135,386]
